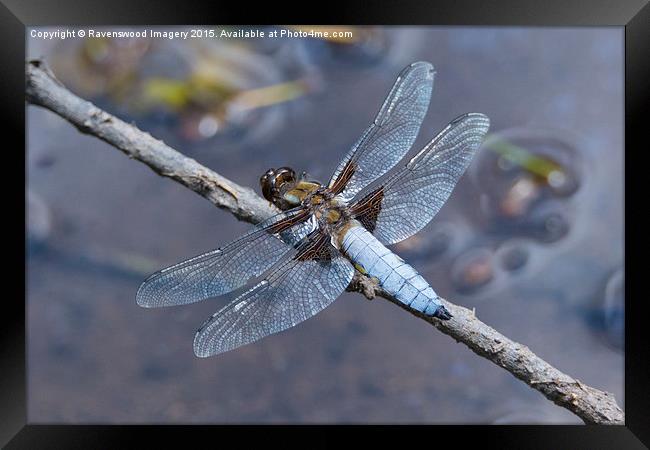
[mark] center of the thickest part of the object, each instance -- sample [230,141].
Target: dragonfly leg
[367,286]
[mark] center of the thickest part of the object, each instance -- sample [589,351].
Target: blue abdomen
[394,275]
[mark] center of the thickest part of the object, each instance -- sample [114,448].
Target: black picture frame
[16,15]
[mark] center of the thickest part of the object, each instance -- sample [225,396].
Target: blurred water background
[532,237]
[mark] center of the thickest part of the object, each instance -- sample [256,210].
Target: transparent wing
[413,196]
[391,135]
[227,268]
[295,290]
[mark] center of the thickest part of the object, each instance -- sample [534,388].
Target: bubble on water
[45,161]
[518,172]
[614,309]
[39,221]
[439,241]
[549,222]
[514,256]
[556,178]
[472,270]
[428,246]
[556,226]
[208,126]
[505,164]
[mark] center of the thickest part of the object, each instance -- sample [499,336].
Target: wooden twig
[42,88]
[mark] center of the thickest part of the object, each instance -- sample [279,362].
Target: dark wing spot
[343,178]
[316,247]
[368,208]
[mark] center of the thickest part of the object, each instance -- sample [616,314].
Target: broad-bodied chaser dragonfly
[296,263]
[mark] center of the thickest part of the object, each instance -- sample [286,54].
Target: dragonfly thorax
[331,216]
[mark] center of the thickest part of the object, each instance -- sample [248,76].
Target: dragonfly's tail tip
[442,313]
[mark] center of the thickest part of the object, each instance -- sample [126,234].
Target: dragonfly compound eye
[274,180]
[284,174]
[267,181]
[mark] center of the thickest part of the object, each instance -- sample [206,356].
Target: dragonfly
[296,263]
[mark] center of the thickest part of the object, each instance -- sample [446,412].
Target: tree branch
[43,89]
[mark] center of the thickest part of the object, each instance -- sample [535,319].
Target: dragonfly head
[282,188]
[275,183]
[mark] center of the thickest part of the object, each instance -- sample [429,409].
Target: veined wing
[391,135]
[227,268]
[412,196]
[297,288]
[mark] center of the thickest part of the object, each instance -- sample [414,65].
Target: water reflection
[513,255]
[431,245]
[521,200]
[204,87]
[613,309]
[39,221]
[210,87]
[527,178]
[472,270]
